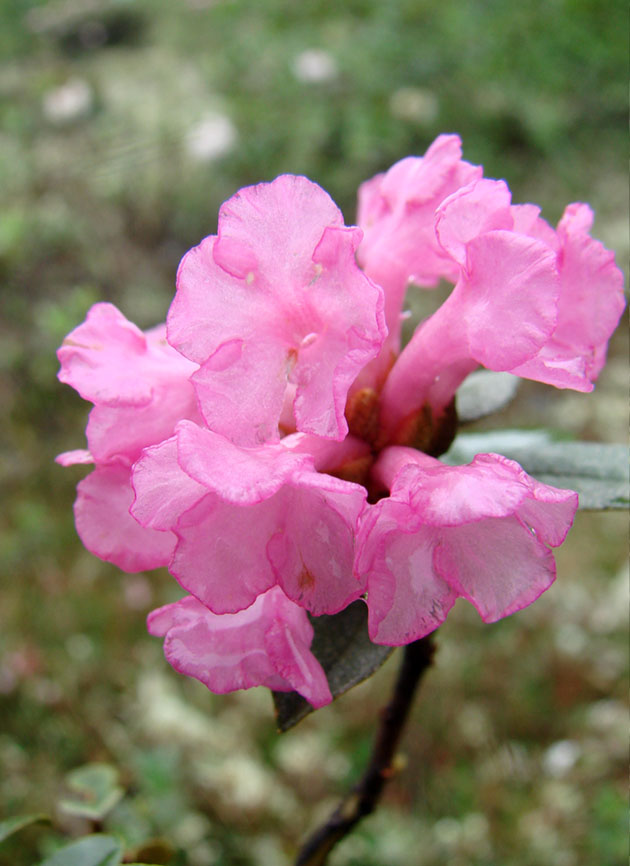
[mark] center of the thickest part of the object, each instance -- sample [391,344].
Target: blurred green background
[123,127]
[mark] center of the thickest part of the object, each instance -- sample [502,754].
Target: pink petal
[269,226]
[510,296]
[239,475]
[329,362]
[72,458]
[288,642]
[527,221]
[548,512]
[220,555]
[302,537]
[328,456]
[211,307]
[475,209]
[97,356]
[577,218]
[312,551]
[267,644]
[108,530]
[121,432]
[490,486]
[497,565]
[241,390]
[397,215]
[500,314]
[163,491]
[590,305]
[138,383]
[407,599]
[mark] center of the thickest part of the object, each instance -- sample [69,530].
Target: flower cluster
[276,449]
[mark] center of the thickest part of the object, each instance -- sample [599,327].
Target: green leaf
[13,825]
[97,791]
[598,472]
[96,850]
[347,655]
[485,392]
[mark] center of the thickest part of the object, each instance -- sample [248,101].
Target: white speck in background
[213,137]
[67,103]
[314,66]
[560,757]
[414,103]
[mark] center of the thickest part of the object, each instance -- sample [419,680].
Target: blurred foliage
[125,123]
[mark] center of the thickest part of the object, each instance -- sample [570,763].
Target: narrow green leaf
[485,392]
[347,655]
[13,825]
[96,850]
[598,472]
[96,788]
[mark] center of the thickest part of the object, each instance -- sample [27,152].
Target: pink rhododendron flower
[265,645]
[396,211]
[528,300]
[241,443]
[397,214]
[590,305]
[276,298]
[139,387]
[248,519]
[481,531]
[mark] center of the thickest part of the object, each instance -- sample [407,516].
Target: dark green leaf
[97,791]
[344,650]
[598,472]
[485,392]
[12,825]
[96,850]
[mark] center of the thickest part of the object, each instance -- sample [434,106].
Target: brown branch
[364,796]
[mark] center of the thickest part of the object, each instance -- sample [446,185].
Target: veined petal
[498,565]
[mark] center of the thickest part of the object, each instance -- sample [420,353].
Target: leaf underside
[598,472]
[347,655]
[485,392]
[96,850]
[95,791]
[13,825]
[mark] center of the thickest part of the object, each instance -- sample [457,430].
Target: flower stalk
[364,797]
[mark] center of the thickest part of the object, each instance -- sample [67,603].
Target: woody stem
[365,795]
